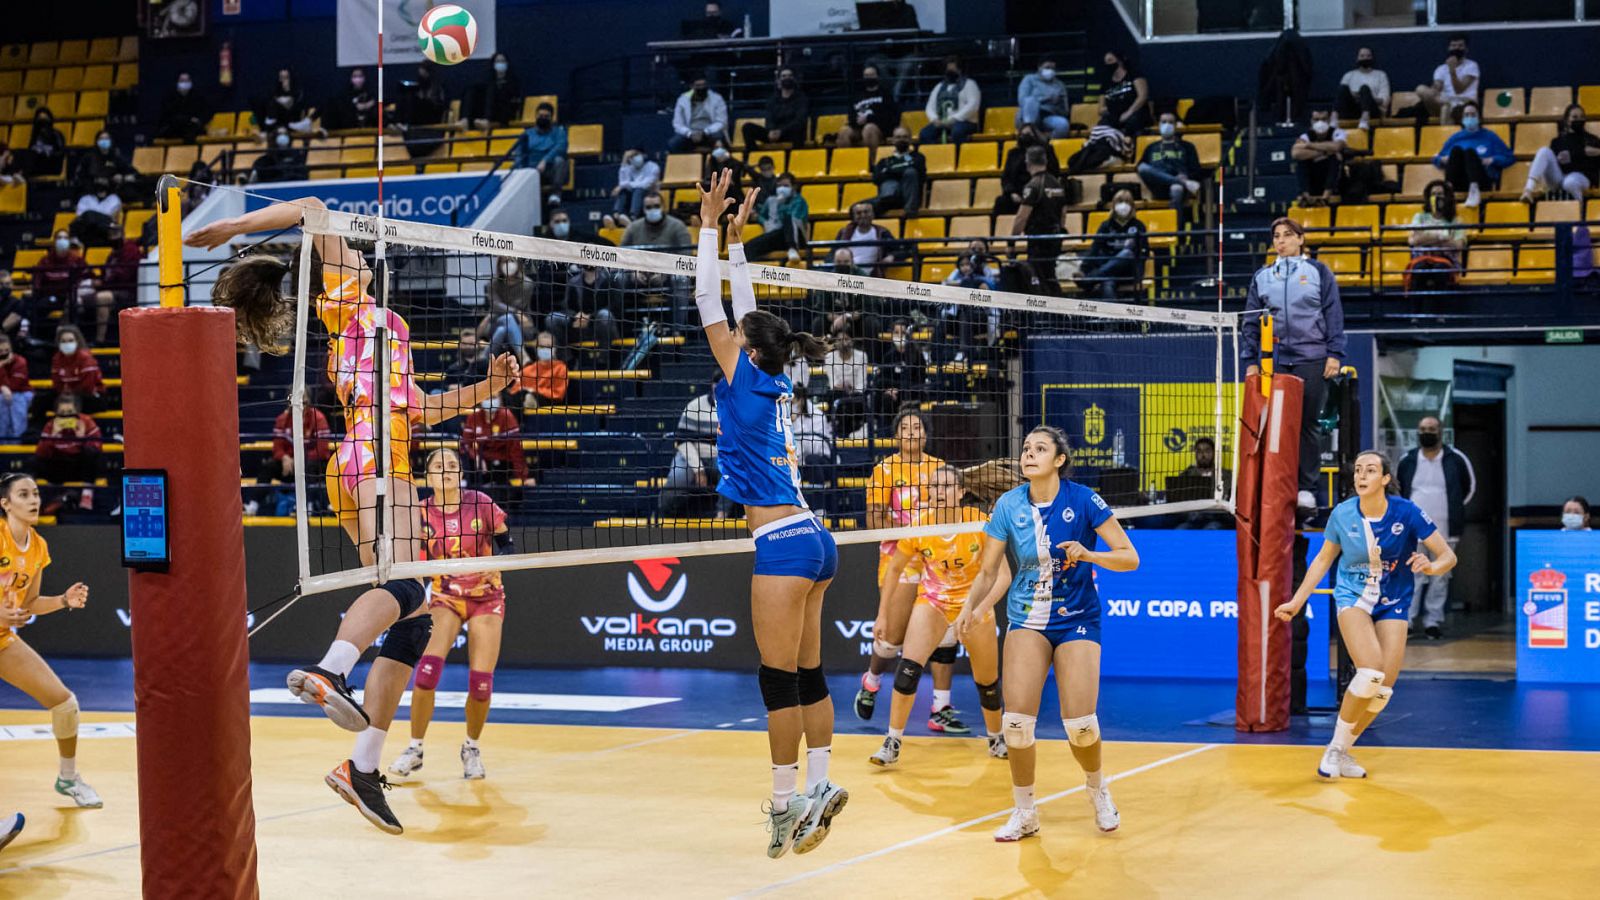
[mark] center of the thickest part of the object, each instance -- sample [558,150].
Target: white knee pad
[1083,731]
[1018,729]
[1380,699]
[64,718]
[885,650]
[1366,684]
[949,639]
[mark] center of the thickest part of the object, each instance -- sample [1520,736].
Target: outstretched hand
[736,225]
[714,200]
[212,235]
[503,372]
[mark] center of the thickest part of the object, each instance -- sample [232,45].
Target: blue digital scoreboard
[146,528]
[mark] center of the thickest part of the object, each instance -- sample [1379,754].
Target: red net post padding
[190,652]
[1269,460]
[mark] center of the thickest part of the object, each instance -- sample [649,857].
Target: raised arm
[333,250]
[447,405]
[744,292]
[714,201]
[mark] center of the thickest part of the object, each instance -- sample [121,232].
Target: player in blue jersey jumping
[1377,533]
[795,556]
[1048,529]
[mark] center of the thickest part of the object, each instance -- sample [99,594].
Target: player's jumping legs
[1026,663]
[826,799]
[23,668]
[357,779]
[1078,682]
[778,605]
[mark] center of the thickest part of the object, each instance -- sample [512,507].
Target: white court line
[843,864]
[661,739]
[504,700]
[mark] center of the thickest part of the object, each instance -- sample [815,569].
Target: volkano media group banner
[358,30]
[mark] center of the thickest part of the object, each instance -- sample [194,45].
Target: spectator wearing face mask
[471,363]
[562,228]
[98,209]
[953,106]
[765,177]
[1117,255]
[785,221]
[901,374]
[356,107]
[1039,213]
[856,313]
[847,369]
[655,229]
[1455,82]
[638,175]
[73,370]
[184,113]
[544,378]
[47,148]
[1436,229]
[1319,159]
[103,162]
[1472,158]
[1042,102]
[699,118]
[544,147]
[1363,91]
[1124,94]
[510,299]
[957,326]
[871,245]
[283,161]
[284,106]
[69,449]
[491,444]
[1014,175]
[1571,164]
[60,282]
[788,113]
[585,311]
[1171,165]
[873,114]
[16,394]
[497,101]
[1438,478]
[422,110]
[900,176]
[1575,514]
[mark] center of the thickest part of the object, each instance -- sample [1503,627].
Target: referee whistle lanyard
[1266,355]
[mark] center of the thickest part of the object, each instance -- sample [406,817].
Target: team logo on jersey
[477,525]
[1094,424]
[1397,528]
[1067,515]
[1546,609]
[657,572]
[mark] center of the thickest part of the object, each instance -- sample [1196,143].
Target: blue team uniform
[1047,595]
[759,466]
[1372,574]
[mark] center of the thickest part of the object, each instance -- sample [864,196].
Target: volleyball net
[606,449]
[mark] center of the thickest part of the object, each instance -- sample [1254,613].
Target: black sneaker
[866,701]
[945,720]
[320,687]
[1434,633]
[364,791]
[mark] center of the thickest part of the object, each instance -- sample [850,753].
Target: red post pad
[190,650]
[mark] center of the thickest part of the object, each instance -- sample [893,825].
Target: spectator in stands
[16,394]
[874,113]
[1570,164]
[1575,514]
[510,298]
[544,147]
[1472,158]
[283,161]
[1116,257]
[497,100]
[1319,159]
[69,449]
[317,441]
[1303,298]
[898,61]
[1039,213]
[1363,91]
[957,325]
[788,115]
[284,105]
[357,107]
[13,311]
[1455,82]
[765,177]
[47,148]
[118,284]
[657,230]
[721,158]
[900,176]
[562,228]
[423,107]
[60,282]
[103,162]
[901,375]
[98,209]
[851,312]
[871,246]
[1438,478]
[585,311]
[953,107]
[691,486]
[1042,102]
[491,444]
[637,176]
[1124,95]
[1106,144]
[1436,230]
[11,171]
[1204,466]
[699,118]
[184,113]
[1014,175]
[544,378]
[713,26]
[1171,165]
[847,371]
[74,370]
[785,219]
[813,437]
[471,364]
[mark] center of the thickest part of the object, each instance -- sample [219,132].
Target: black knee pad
[780,689]
[813,686]
[407,640]
[989,695]
[946,655]
[906,677]
[408,592]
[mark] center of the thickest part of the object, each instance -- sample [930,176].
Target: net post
[297,403]
[169,241]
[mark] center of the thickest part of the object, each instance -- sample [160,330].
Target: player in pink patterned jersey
[459,524]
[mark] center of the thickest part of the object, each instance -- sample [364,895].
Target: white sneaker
[997,747]
[471,763]
[410,761]
[80,792]
[794,255]
[1023,823]
[1106,817]
[1192,186]
[10,827]
[1349,768]
[1474,195]
[782,826]
[1330,767]
[252,508]
[888,754]
[1366,122]
[826,801]
[1306,500]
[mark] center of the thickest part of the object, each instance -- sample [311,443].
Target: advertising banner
[432,199]
[358,30]
[1557,596]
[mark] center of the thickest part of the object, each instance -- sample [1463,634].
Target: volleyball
[447,34]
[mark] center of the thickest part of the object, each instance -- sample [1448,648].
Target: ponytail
[808,345]
[253,289]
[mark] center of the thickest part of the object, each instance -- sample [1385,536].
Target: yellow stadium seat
[501,140]
[72,52]
[1503,104]
[823,126]
[934,273]
[102,50]
[821,198]
[360,171]
[1431,138]
[586,140]
[97,256]
[468,144]
[1559,211]
[127,77]
[978,156]
[1085,114]
[14,56]
[1000,120]
[1515,175]
[737,135]
[43,53]
[14,198]
[67,79]
[1394,143]
[1207,146]
[62,222]
[94,104]
[1344,262]
[10,83]
[970,227]
[1357,139]
[1184,105]
[530,106]
[1392,266]
[854,192]
[1141,142]
[950,193]
[1163,220]
[222,125]
[1357,215]
[1508,214]
[148,160]
[26,259]
[64,104]
[681,168]
[809,163]
[134,220]
[1417,178]
[984,192]
[925,227]
[893,226]
[1533,135]
[97,78]
[941,158]
[1094,220]
[1065,147]
[1316,217]
[441,168]
[180,159]
[1398,214]
[325,156]
[1535,265]
[1488,264]
[914,120]
[849,162]
[128,49]
[326,174]
[1548,101]
[37,81]
[1589,98]
[83,133]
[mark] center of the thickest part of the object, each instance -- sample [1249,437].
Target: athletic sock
[941,699]
[369,746]
[69,767]
[1343,736]
[783,782]
[1022,797]
[470,742]
[341,658]
[817,765]
[897,733]
[416,743]
[1095,779]
[871,680]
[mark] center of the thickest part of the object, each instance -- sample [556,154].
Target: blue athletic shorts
[1066,630]
[797,545]
[1383,608]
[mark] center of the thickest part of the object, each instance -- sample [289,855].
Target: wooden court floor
[572,811]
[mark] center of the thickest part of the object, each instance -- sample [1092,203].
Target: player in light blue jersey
[795,556]
[1377,534]
[1048,528]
